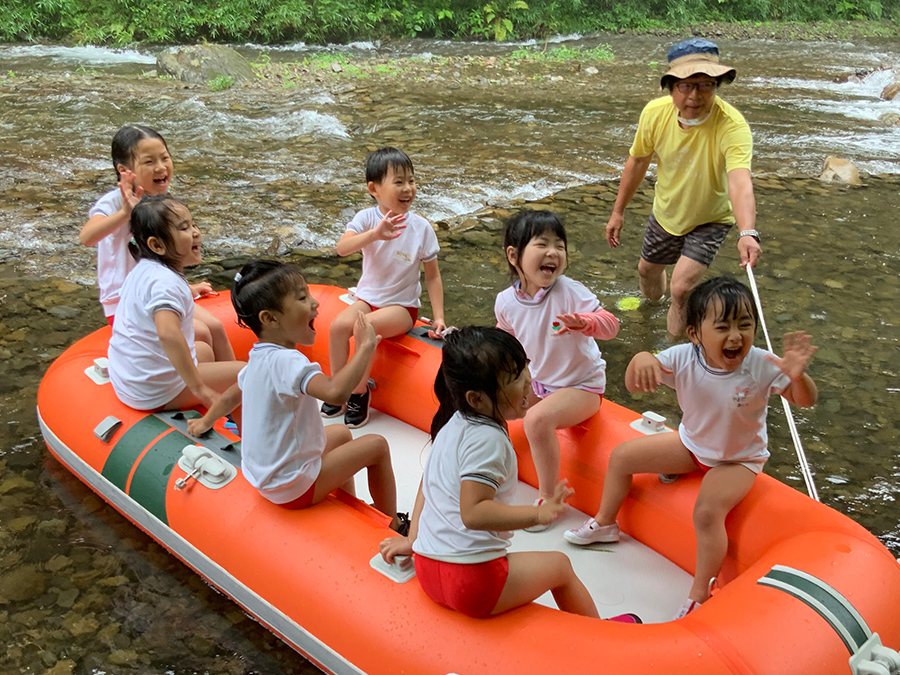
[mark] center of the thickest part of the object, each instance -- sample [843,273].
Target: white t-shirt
[478,450]
[140,372]
[724,413]
[390,268]
[114,261]
[282,434]
[569,360]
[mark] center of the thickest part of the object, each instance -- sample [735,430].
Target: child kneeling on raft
[287,453]
[463,517]
[723,384]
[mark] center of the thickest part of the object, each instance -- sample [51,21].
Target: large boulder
[201,63]
[837,170]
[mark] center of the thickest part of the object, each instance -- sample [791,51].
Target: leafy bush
[125,21]
[221,83]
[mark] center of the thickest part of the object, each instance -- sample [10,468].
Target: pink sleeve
[600,324]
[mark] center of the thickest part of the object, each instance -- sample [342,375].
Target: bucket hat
[696,56]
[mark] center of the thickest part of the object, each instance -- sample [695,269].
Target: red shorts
[413,311]
[472,590]
[700,466]
[304,500]
[111,318]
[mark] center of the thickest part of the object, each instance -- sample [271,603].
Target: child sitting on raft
[394,242]
[723,384]
[143,166]
[557,320]
[153,361]
[287,453]
[462,522]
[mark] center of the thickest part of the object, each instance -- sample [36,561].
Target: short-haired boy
[394,243]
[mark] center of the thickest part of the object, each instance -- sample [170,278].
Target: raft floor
[623,577]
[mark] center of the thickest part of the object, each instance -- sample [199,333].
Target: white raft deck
[622,577]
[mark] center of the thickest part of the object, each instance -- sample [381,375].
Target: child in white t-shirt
[395,243]
[143,167]
[462,522]
[723,384]
[153,361]
[287,453]
[557,320]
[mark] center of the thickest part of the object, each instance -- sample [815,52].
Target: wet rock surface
[201,64]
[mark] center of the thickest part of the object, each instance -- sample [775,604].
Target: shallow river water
[277,169]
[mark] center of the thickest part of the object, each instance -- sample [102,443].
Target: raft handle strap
[867,655]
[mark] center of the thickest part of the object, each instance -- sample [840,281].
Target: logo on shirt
[404,256]
[740,396]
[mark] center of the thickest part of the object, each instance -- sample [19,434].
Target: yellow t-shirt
[692,164]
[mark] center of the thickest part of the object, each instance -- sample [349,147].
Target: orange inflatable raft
[804,588]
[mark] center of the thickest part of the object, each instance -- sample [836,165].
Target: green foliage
[563,53]
[119,22]
[499,15]
[221,83]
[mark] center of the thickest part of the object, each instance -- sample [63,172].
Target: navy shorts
[700,244]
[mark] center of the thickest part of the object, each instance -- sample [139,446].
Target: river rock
[889,119]
[21,584]
[891,91]
[201,63]
[837,170]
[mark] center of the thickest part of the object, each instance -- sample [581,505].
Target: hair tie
[133,242]
[237,277]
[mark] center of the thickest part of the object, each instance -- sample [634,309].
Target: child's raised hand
[570,323]
[551,509]
[647,372]
[391,225]
[363,332]
[131,193]
[798,351]
[392,547]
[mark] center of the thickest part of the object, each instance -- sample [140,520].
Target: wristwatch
[749,233]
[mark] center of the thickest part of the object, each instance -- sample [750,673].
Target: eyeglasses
[703,87]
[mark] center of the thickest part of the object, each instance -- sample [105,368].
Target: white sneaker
[539,527]
[593,533]
[688,607]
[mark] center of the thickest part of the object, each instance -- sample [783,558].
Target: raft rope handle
[798,446]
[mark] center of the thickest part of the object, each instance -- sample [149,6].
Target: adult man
[703,151]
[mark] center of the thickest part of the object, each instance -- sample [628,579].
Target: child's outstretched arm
[389,227]
[644,373]
[225,404]
[601,324]
[98,227]
[402,546]
[436,294]
[798,351]
[479,511]
[168,327]
[337,388]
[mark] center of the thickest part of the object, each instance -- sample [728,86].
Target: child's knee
[707,517]
[378,446]
[216,328]
[343,323]
[202,333]
[536,422]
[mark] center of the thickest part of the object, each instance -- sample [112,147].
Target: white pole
[798,446]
